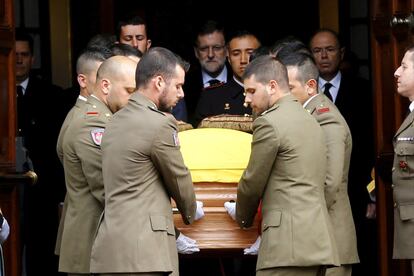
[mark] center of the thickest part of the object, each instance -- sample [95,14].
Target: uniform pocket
[276,245]
[162,223]
[273,219]
[406,211]
[405,157]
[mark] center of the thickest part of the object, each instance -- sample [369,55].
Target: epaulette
[322,109]
[156,110]
[92,113]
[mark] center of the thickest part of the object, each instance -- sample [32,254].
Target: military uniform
[403,181]
[142,169]
[74,112]
[225,98]
[287,170]
[84,184]
[339,146]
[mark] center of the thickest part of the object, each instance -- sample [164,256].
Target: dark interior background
[172,23]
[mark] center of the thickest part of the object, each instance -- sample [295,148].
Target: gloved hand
[199,211]
[254,249]
[231,209]
[4,231]
[186,245]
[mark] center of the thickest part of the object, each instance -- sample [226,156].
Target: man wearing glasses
[210,50]
[229,98]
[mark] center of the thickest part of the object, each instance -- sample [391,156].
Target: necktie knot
[326,90]
[213,82]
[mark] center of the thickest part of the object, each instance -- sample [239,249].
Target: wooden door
[388,42]
[9,181]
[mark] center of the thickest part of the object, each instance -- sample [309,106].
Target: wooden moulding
[217,232]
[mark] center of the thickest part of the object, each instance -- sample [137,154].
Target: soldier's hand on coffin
[254,249]
[231,209]
[199,211]
[185,245]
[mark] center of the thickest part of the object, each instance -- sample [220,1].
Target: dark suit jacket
[193,88]
[40,124]
[224,99]
[354,101]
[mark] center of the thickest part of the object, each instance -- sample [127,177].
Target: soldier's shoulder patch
[97,134]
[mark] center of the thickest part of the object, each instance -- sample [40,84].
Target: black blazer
[227,98]
[193,88]
[354,101]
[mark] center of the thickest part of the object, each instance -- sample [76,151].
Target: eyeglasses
[215,49]
[327,50]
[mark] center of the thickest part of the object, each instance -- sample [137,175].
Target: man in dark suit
[209,49]
[352,96]
[228,98]
[38,126]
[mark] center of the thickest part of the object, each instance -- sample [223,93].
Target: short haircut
[305,64]
[91,54]
[102,40]
[23,36]
[327,30]
[209,27]
[240,34]
[288,45]
[130,20]
[158,61]
[266,68]
[262,50]
[121,49]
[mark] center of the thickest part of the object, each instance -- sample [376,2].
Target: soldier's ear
[159,82]
[105,86]
[82,80]
[311,87]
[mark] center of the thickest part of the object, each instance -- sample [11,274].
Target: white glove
[5,231]
[185,245]
[254,249]
[199,211]
[231,209]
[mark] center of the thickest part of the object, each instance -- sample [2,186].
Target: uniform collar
[310,99]
[238,82]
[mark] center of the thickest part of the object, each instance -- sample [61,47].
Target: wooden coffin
[217,231]
[216,159]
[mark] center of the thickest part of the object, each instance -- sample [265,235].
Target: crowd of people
[118,161]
